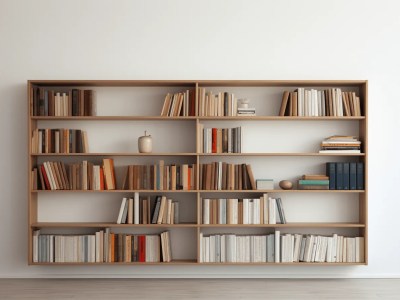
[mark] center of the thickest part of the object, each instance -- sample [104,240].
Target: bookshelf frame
[33,195]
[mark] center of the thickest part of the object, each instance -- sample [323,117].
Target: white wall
[201,40]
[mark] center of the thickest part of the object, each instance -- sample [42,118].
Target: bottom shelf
[195,263]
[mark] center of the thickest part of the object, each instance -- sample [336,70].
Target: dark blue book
[339,176]
[353,176]
[346,176]
[360,176]
[331,172]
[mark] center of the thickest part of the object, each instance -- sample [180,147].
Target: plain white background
[202,40]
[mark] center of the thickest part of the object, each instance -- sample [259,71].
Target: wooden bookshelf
[155,91]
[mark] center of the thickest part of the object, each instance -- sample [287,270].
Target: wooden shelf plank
[107,224]
[159,118]
[116,154]
[193,262]
[115,191]
[113,118]
[199,154]
[281,191]
[288,225]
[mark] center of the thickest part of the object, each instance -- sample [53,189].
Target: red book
[214,140]
[189,178]
[142,248]
[46,180]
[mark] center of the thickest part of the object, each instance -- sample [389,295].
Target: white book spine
[136,212]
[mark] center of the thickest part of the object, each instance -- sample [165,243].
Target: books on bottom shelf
[277,248]
[103,246]
[160,210]
[262,210]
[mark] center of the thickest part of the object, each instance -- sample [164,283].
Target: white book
[251,211]
[335,251]
[136,210]
[223,248]
[315,103]
[271,248]
[256,214]
[246,213]
[121,210]
[360,256]
[296,247]
[300,102]
[206,211]
[201,247]
[277,246]
[272,210]
[340,102]
[329,250]
[266,211]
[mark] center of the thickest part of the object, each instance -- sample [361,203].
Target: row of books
[103,246]
[220,140]
[225,176]
[160,177]
[75,102]
[315,103]
[79,176]
[161,210]
[263,210]
[280,248]
[345,175]
[179,104]
[59,141]
[340,144]
[220,104]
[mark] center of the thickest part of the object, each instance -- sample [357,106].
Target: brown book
[236,177]
[208,176]
[315,177]
[294,104]
[224,177]
[251,177]
[289,108]
[232,177]
[108,166]
[214,211]
[145,211]
[54,175]
[313,187]
[240,212]
[244,178]
[330,100]
[358,102]
[213,169]
[284,103]
[240,178]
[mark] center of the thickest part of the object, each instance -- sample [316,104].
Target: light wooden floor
[344,289]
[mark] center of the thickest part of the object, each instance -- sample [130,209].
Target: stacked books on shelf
[224,176]
[160,177]
[263,210]
[75,102]
[161,210]
[280,248]
[220,140]
[340,144]
[220,104]
[59,141]
[246,112]
[103,246]
[345,175]
[313,182]
[317,103]
[179,104]
[80,176]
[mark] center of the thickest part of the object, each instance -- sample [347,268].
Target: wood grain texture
[280,289]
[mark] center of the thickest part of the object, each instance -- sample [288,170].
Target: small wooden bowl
[286,184]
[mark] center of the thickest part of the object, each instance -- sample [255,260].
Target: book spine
[339,176]
[360,176]
[346,176]
[353,176]
[331,172]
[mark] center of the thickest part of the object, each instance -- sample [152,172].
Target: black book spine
[360,176]
[75,105]
[339,176]
[46,103]
[353,176]
[331,172]
[226,104]
[346,176]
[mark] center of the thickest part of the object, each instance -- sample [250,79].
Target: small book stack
[59,141]
[340,144]
[246,112]
[220,140]
[179,104]
[314,182]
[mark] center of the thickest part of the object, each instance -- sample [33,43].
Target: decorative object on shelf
[286,184]
[265,184]
[244,109]
[244,103]
[145,143]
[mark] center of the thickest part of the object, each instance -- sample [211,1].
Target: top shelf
[248,83]
[160,118]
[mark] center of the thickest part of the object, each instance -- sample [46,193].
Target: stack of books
[340,144]
[314,182]
[249,111]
